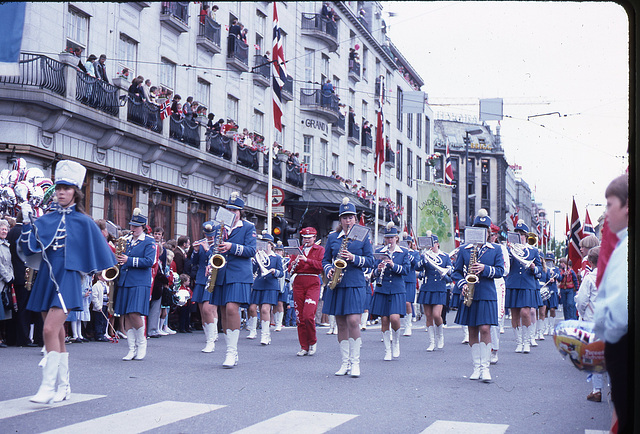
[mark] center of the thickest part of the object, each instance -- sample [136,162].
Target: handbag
[7,303]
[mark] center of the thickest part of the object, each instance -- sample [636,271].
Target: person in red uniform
[305,270]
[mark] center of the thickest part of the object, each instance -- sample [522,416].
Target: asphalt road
[178,389]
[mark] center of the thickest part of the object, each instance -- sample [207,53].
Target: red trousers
[306,292]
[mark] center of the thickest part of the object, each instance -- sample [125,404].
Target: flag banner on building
[379,144]
[12,25]
[413,102]
[165,110]
[448,168]
[574,239]
[588,226]
[435,213]
[278,71]
[514,217]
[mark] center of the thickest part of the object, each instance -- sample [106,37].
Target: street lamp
[467,141]
[554,229]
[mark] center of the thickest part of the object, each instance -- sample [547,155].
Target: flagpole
[377,207]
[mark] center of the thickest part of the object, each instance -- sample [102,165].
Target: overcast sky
[541,57]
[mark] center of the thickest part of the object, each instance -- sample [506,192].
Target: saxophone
[217,261]
[30,274]
[110,274]
[471,278]
[339,263]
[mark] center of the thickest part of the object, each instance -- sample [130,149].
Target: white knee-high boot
[210,337]
[47,390]
[395,345]
[475,356]
[485,354]
[63,390]
[278,318]
[354,356]
[131,340]
[231,358]
[265,336]
[432,338]
[465,338]
[440,336]
[518,333]
[407,325]
[345,355]
[386,338]
[252,325]
[363,320]
[141,342]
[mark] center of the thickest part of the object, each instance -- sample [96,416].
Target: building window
[195,221]
[418,166]
[232,108]
[324,148]
[258,122]
[261,22]
[363,178]
[258,45]
[127,54]
[308,144]
[409,212]
[202,92]
[365,58]
[167,73]
[409,167]
[351,171]
[335,163]
[455,197]
[161,215]
[427,134]
[387,191]
[118,208]
[410,125]
[325,67]
[399,107]
[419,130]
[399,152]
[77,30]
[486,184]
[308,65]
[439,169]
[399,203]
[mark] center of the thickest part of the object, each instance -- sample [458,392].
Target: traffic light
[277,228]
[287,231]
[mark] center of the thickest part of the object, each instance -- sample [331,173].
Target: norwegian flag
[304,167]
[165,110]
[588,226]
[362,221]
[380,148]
[575,236]
[457,236]
[279,71]
[514,217]
[539,230]
[448,168]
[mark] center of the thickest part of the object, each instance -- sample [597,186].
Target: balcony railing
[294,177]
[277,167]
[354,70]
[322,28]
[354,133]
[389,157]
[287,89]
[184,130]
[339,125]
[262,69]
[324,103]
[97,94]
[144,114]
[219,145]
[39,71]
[248,158]
[209,34]
[238,53]
[176,15]
[367,142]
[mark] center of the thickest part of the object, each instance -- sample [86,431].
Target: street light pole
[467,141]
[554,230]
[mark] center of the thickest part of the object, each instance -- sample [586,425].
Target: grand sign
[315,124]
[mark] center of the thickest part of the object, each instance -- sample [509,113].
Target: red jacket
[313,265]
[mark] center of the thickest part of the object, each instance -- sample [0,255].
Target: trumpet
[112,273]
[532,239]
[217,261]
[435,261]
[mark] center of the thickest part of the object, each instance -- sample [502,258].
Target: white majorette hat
[70,173]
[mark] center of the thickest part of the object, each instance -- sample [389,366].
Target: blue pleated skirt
[538,298]
[200,294]
[368,296]
[43,294]
[388,304]
[411,291]
[344,301]
[132,299]
[231,293]
[432,297]
[455,300]
[520,298]
[283,296]
[481,312]
[267,296]
[552,302]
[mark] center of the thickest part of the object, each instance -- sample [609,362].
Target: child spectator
[99,301]
[184,325]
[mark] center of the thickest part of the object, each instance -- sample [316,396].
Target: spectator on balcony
[243,34]
[101,69]
[326,11]
[217,127]
[186,108]
[326,93]
[135,90]
[210,124]
[214,9]
[146,90]
[234,33]
[175,103]
[352,121]
[153,94]
[353,57]
[203,13]
[296,159]
[362,15]
[90,66]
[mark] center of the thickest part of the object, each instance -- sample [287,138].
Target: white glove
[26,211]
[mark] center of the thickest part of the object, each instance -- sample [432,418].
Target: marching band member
[346,300]
[410,281]
[501,290]
[521,286]
[305,269]
[389,295]
[483,311]
[433,293]
[266,287]
[551,304]
[135,284]
[456,300]
[233,283]
[65,234]
[542,309]
[202,252]
[278,310]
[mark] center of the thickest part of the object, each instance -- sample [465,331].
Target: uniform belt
[306,274]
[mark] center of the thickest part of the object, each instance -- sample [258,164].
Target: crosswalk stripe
[309,422]
[20,406]
[140,419]
[595,431]
[452,427]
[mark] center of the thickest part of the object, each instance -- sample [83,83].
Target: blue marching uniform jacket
[489,255]
[238,268]
[141,255]
[434,281]
[270,282]
[414,261]
[393,280]
[520,277]
[353,275]
[201,260]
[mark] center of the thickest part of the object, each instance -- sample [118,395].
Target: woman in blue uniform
[65,233]
[522,287]
[483,312]
[390,295]
[346,300]
[433,292]
[135,284]
[266,286]
[202,252]
[234,280]
[410,281]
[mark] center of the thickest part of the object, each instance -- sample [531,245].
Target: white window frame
[203,92]
[232,108]
[258,122]
[128,54]
[77,30]
[167,73]
[309,62]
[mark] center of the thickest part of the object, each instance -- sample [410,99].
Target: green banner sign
[435,213]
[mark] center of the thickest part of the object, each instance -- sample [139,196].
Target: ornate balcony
[277,167]
[248,157]
[219,145]
[237,54]
[315,101]
[261,70]
[144,114]
[389,158]
[367,142]
[175,15]
[97,94]
[353,135]
[339,126]
[184,130]
[209,35]
[321,28]
[287,89]
[354,70]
